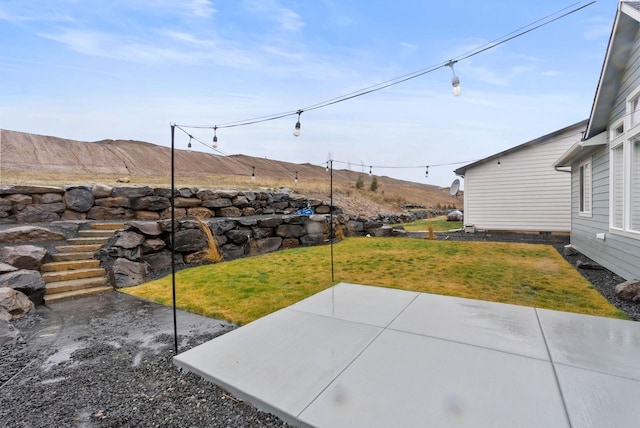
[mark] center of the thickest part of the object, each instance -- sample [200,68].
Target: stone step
[106,226]
[59,287]
[59,266]
[68,275]
[78,248]
[76,293]
[95,233]
[88,241]
[65,257]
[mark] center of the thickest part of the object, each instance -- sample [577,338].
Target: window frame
[585,187]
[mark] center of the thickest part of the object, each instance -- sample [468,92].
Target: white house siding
[523,193]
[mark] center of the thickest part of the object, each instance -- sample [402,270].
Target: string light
[189,144]
[215,137]
[253,173]
[555,16]
[426,174]
[369,170]
[296,178]
[296,130]
[455,81]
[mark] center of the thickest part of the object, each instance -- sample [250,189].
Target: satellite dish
[455,186]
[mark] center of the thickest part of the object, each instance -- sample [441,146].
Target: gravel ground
[81,362]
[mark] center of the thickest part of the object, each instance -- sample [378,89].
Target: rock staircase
[74,270]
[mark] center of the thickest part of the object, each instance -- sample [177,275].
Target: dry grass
[523,274]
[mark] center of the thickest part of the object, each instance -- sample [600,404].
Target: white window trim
[624,140]
[586,211]
[628,113]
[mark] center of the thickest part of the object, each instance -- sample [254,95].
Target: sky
[90,70]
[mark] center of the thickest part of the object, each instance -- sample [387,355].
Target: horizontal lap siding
[525,192]
[619,254]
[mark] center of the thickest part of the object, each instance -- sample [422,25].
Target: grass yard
[243,290]
[439,224]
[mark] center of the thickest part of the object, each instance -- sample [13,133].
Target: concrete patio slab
[360,356]
[601,344]
[503,327]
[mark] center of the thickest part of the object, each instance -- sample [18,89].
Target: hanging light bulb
[369,170]
[215,138]
[296,178]
[189,144]
[296,130]
[426,174]
[499,163]
[327,168]
[253,173]
[455,81]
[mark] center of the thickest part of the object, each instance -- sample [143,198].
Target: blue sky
[126,69]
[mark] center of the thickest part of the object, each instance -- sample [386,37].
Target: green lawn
[243,290]
[439,224]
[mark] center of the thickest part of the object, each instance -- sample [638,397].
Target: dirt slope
[36,159]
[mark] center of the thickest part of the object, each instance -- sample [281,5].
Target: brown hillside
[37,159]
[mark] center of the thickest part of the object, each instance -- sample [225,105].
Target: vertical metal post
[173,240]
[331,214]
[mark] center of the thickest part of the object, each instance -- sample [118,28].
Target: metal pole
[331,215]
[173,240]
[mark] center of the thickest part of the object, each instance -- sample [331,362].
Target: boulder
[629,290]
[150,203]
[40,213]
[314,227]
[120,201]
[199,212]
[158,261]
[29,282]
[79,199]
[229,212]
[309,240]
[182,202]
[13,304]
[132,192]
[29,234]
[270,222]
[455,215]
[73,215]
[101,191]
[10,190]
[128,273]
[239,236]
[23,256]
[147,228]
[4,268]
[189,241]
[146,215]
[152,245]
[105,213]
[266,245]
[129,240]
[48,198]
[290,231]
[232,251]
[220,227]
[217,203]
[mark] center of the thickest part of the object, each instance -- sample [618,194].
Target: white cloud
[287,19]
[201,8]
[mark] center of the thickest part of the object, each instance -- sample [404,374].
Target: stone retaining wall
[45,204]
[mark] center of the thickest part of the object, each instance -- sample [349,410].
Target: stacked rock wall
[45,204]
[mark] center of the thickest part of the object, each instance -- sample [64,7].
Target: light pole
[173,238]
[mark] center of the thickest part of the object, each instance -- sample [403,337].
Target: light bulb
[296,130]
[455,82]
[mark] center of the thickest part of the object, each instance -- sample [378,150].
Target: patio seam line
[458,342]
[382,330]
[553,367]
[598,371]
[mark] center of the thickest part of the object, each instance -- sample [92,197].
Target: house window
[585,188]
[634,186]
[617,187]
[634,110]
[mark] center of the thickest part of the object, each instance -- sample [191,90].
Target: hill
[37,159]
